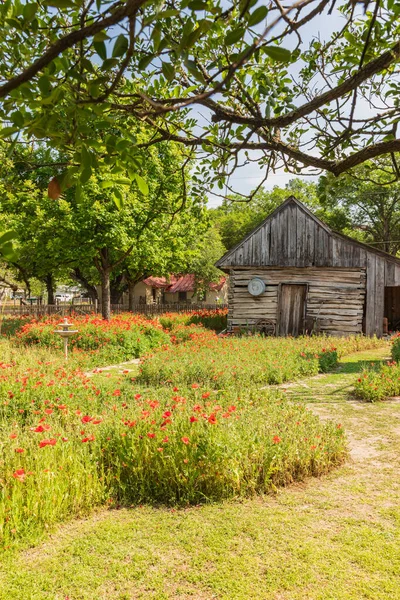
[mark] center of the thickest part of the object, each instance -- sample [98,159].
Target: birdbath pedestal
[66,333]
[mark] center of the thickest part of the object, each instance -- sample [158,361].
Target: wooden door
[292,300]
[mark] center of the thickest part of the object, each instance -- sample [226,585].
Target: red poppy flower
[167,414]
[206,395]
[48,442]
[175,389]
[62,406]
[116,393]
[89,438]
[195,386]
[64,439]
[12,436]
[42,428]
[97,421]
[276,439]
[166,440]
[185,440]
[151,435]
[48,411]
[86,419]
[193,419]
[212,419]
[19,450]
[137,396]
[20,474]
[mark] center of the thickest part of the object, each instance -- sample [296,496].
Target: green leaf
[85,175]
[86,158]
[106,184]
[7,236]
[277,53]
[197,5]
[59,3]
[193,70]
[78,193]
[7,131]
[30,11]
[44,84]
[145,61]
[7,250]
[118,199]
[168,71]
[121,46]
[101,49]
[101,36]
[123,181]
[234,36]
[17,118]
[142,185]
[258,15]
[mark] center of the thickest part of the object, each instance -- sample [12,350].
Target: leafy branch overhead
[232,82]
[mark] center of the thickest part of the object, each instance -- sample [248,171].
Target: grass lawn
[337,537]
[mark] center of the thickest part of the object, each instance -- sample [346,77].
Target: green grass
[334,538]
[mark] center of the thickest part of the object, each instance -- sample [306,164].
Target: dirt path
[331,538]
[124,367]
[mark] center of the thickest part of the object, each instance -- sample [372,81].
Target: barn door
[292,300]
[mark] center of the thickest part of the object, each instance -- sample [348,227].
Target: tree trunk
[78,276]
[49,281]
[117,288]
[105,294]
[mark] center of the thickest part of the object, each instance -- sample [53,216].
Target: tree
[371,211]
[106,69]
[202,257]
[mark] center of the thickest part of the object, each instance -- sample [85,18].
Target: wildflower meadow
[197,422]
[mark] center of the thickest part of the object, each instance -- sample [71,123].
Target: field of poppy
[72,440]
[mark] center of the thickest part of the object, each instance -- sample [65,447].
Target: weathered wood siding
[293,237]
[334,301]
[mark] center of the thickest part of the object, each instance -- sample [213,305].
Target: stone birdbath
[66,333]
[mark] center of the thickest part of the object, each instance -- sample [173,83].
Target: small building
[179,289]
[295,275]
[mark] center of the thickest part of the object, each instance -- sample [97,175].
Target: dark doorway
[392,307]
[292,302]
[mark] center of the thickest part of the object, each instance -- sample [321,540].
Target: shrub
[378,382]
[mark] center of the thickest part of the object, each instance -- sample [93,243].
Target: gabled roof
[180,283]
[292,200]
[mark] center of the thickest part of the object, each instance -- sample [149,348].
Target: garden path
[333,538]
[124,367]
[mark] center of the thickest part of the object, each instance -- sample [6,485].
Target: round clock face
[256,286]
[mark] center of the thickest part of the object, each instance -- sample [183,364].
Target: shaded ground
[337,537]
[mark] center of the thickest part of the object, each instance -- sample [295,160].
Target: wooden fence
[64,310]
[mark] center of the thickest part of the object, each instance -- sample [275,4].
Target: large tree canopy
[232,81]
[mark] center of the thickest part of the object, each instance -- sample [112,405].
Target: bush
[378,382]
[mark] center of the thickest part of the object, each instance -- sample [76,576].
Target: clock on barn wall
[256,286]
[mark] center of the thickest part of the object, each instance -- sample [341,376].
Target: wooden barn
[293,274]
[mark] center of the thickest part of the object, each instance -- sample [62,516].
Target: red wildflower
[193,419]
[96,421]
[175,389]
[48,411]
[165,440]
[116,393]
[12,436]
[206,395]
[167,414]
[47,442]
[42,428]
[231,408]
[151,435]
[137,396]
[212,419]
[195,386]
[89,438]
[19,450]
[64,439]
[276,439]
[185,440]
[20,474]
[86,419]
[62,406]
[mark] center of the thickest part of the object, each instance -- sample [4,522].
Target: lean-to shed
[298,275]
